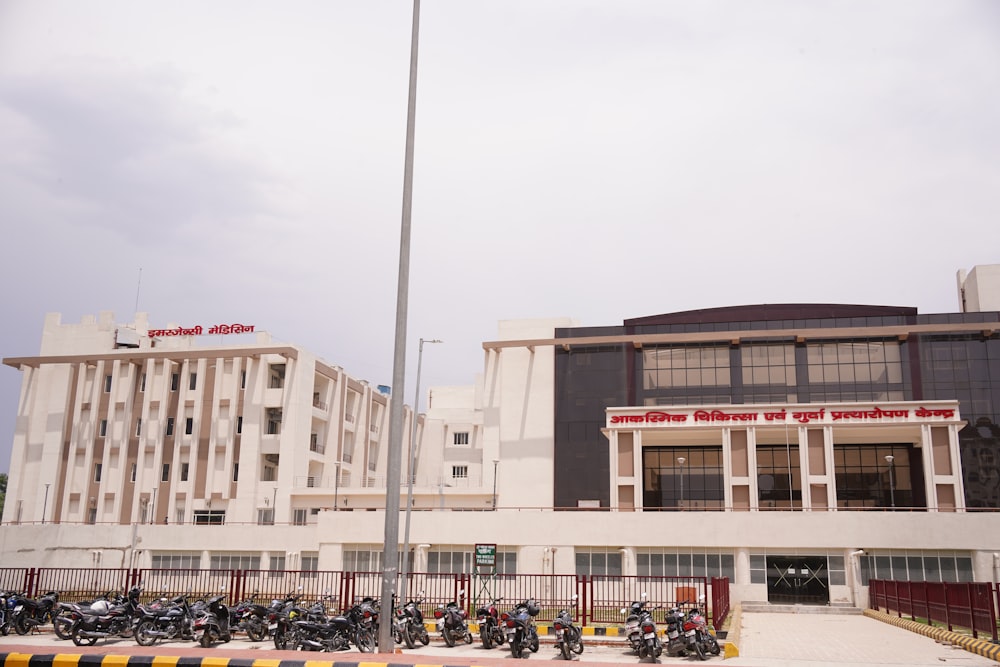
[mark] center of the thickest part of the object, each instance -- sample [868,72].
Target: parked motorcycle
[452,621]
[212,623]
[68,614]
[103,619]
[249,617]
[4,613]
[640,628]
[28,614]
[676,641]
[312,633]
[409,623]
[165,622]
[699,636]
[521,630]
[569,638]
[490,631]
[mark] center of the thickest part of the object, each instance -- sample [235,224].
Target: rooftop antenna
[137,286]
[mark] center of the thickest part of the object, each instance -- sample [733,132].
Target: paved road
[766,640]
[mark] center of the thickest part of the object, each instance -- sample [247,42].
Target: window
[236,472]
[299,517]
[179,516]
[360,560]
[277,564]
[107,384]
[672,484]
[268,474]
[188,425]
[779,477]
[97,471]
[177,561]
[193,381]
[209,517]
[655,563]
[239,424]
[598,561]
[273,421]
[865,477]
[104,428]
[265,517]
[175,380]
[459,472]
[170,425]
[185,468]
[165,473]
[235,561]
[138,426]
[310,562]
[133,472]
[685,367]
[243,379]
[460,438]
[277,376]
[92,515]
[142,383]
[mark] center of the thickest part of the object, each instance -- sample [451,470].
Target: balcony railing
[379,482]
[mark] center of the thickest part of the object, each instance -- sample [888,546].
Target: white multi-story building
[796,449]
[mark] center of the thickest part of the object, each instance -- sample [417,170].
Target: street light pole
[390,554]
[336,487]
[681,460]
[889,458]
[409,474]
[495,462]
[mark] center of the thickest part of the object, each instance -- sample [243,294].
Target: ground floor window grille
[176,561]
[916,566]
[684,564]
[599,562]
[235,561]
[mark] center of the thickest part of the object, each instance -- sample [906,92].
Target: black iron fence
[593,599]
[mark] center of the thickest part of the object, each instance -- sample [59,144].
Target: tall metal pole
[495,462]
[45,503]
[390,555]
[892,482]
[409,474]
[681,460]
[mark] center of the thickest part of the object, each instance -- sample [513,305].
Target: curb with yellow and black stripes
[99,660]
[983,647]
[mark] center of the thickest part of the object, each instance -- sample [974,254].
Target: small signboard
[486,555]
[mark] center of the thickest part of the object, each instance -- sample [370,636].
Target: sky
[242,161]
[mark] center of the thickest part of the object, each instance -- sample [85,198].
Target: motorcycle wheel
[713,646]
[468,636]
[142,634]
[533,642]
[700,651]
[82,641]
[449,638]
[4,628]
[499,639]
[564,648]
[409,637]
[365,641]
[484,634]
[515,649]
[256,632]
[62,626]
[280,640]
[425,638]
[576,645]
[205,641]
[21,626]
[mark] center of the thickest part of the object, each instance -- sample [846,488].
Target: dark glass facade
[851,360]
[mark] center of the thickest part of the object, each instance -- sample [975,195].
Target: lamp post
[390,554]
[495,462]
[409,474]
[681,460]
[336,486]
[45,503]
[889,458]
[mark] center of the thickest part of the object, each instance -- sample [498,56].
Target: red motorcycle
[489,625]
[698,636]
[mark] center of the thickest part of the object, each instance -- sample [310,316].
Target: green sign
[486,554]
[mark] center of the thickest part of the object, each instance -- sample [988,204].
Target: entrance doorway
[798,580]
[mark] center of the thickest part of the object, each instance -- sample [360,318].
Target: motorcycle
[641,630]
[521,630]
[28,614]
[676,641]
[249,617]
[489,625]
[4,613]
[103,619]
[699,636]
[164,622]
[409,624]
[314,633]
[68,614]
[281,616]
[452,623]
[212,624]
[569,638]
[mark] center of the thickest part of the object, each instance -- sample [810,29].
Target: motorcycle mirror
[624,611]
[643,596]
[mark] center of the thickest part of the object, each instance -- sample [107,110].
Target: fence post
[585,597]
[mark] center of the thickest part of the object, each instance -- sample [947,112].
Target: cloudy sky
[598,160]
